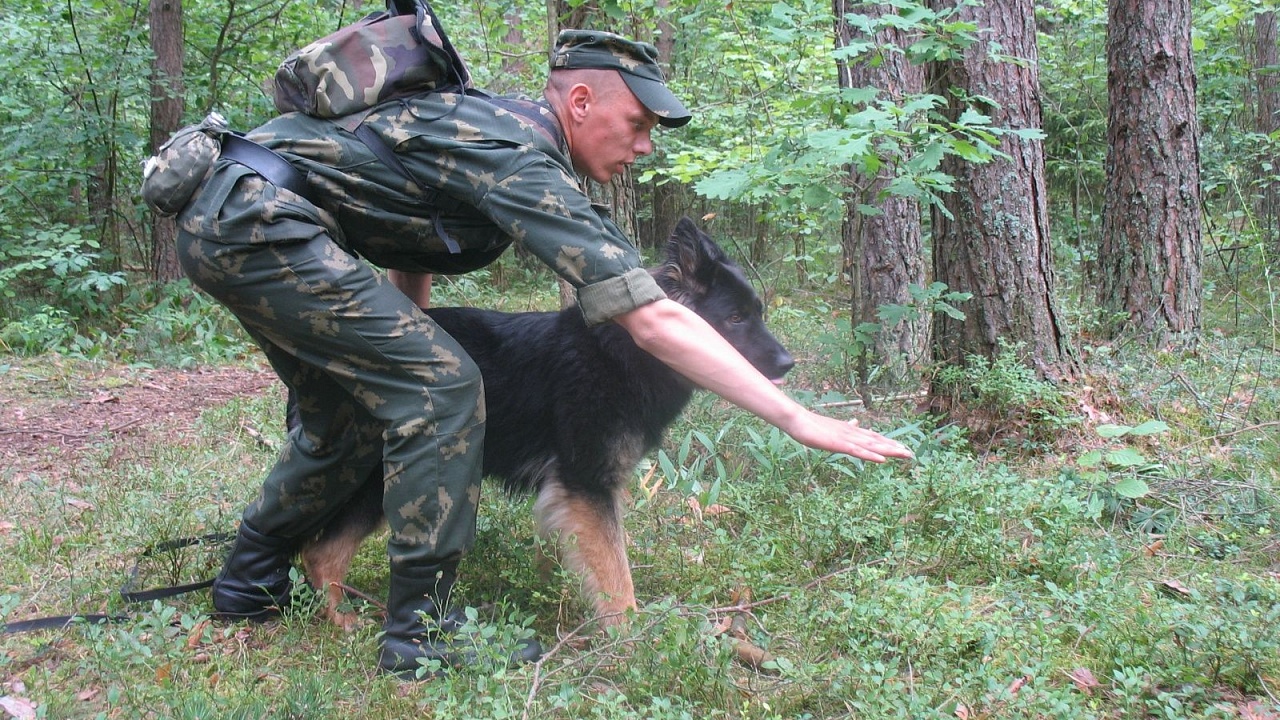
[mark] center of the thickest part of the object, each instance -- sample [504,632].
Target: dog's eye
[735,319]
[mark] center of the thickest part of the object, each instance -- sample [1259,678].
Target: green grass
[1012,581]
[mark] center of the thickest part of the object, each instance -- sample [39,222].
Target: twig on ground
[1230,433]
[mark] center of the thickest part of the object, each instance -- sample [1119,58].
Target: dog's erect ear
[678,274]
[683,247]
[692,261]
[693,251]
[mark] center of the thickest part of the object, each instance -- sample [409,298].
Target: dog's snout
[785,363]
[779,365]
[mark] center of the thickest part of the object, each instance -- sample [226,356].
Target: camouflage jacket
[501,178]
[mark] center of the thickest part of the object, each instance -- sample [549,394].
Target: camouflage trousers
[377,381]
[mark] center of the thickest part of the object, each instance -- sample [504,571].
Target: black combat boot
[254,582]
[418,629]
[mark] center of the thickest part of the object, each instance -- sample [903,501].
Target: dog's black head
[698,275]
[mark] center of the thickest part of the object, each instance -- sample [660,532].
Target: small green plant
[1124,468]
[925,301]
[60,261]
[43,329]
[697,471]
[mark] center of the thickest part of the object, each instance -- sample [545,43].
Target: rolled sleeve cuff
[609,298]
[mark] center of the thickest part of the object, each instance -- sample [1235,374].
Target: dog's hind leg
[328,557]
[587,532]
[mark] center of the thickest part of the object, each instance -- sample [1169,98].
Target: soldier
[376,381]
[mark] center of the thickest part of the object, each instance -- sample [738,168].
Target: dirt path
[47,415]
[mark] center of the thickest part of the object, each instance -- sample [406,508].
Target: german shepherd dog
[571,411]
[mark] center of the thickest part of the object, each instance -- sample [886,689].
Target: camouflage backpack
[400,51]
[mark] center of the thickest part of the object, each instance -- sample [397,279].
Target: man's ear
[580,97]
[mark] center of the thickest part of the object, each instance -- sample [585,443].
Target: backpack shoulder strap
[423,11]
[527,110]
[430,196]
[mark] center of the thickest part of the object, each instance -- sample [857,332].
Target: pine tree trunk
[1150,257]
[166,117]
[667,203]
[1266,60]
[996,243]
[884,253]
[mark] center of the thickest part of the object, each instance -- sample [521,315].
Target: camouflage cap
[636,62]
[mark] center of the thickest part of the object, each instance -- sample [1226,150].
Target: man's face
[615,131]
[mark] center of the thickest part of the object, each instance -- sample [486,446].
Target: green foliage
[1003,397]
[799,152]
[61,264]
[1100,465]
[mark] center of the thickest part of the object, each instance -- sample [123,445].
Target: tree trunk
[1266,76]
[564,15]
[667,202]
[1151,253]
[883,253]
[996,242]
[166,117]
[516,65]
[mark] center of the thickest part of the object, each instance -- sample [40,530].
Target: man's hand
[684,342]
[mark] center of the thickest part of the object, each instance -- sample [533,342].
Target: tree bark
[514,66]
[166,117]
[667,202]
[883,253]
[996,243]
[1266,73]
[1151,254]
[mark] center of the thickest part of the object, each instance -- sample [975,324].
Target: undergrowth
[1108,551]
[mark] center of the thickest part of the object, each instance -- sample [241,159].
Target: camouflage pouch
[399,52]
[171,177]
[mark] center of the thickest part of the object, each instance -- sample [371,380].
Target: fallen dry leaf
[695,507]
[79,504]
[88,694]
[1174,589]
[722,627]
[1084,679]
[18,708]
[648,489]
[1255,711]
[196,636]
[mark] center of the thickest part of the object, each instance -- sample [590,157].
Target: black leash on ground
[129,591]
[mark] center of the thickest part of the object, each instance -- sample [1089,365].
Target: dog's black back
[587,403]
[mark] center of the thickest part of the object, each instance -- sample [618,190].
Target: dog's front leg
[588,535]
[328,557]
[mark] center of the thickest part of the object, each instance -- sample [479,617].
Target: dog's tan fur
[587,535]
[591,542]
[326,564]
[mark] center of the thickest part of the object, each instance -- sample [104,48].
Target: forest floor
[44,422]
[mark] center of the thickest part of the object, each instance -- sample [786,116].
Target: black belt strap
[264,161]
